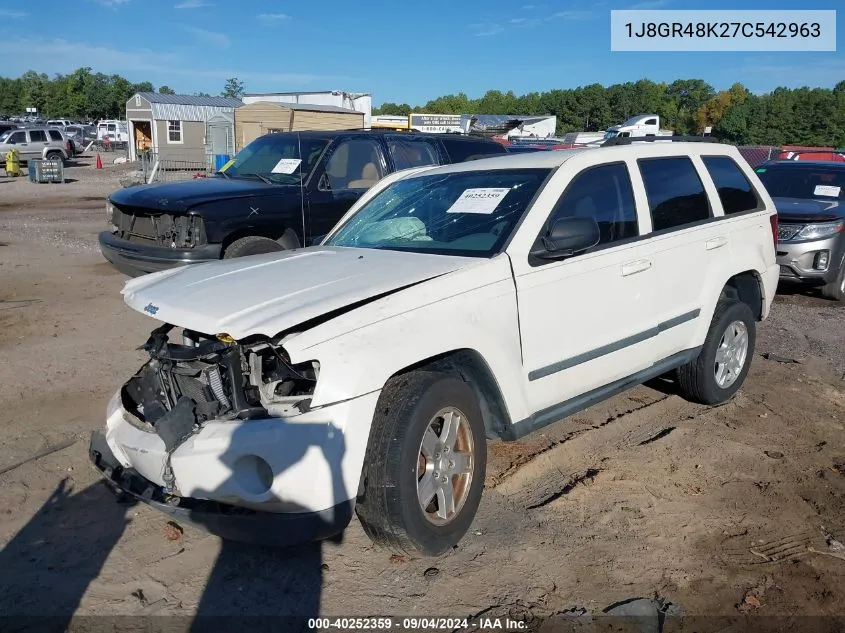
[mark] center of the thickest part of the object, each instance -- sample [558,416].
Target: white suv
[450,305]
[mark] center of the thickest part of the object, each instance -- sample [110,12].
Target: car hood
[181,196]
[268,294]
[808,209]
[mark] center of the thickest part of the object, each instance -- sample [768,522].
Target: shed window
[137,101]
[174,131]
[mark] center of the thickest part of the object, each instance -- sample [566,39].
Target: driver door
[348,169]
[585,320]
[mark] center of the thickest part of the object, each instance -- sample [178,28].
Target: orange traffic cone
[99,161]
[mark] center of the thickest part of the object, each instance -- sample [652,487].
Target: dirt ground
[721,511]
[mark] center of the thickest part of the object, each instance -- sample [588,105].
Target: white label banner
[483,200]
[827,190]
[286,166]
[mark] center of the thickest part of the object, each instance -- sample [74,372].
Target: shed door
[219,135]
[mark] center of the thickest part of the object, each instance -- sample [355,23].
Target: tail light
[774,220]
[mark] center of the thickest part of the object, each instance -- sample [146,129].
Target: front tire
[836,289]
[424,468]
[251,245]
[725,358]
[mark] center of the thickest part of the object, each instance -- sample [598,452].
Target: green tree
[234,88]
[166,90]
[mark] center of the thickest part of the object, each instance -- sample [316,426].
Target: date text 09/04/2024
[416,624]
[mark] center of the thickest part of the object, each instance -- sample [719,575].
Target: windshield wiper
[224,174]
[264,179]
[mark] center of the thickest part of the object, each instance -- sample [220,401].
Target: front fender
[361,350]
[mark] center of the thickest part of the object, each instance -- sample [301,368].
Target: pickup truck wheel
[424,470]
[836,289]
[725,358]
[251,245]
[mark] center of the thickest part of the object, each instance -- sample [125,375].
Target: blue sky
[399,51]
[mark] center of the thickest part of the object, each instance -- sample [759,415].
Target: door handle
[716,242]
[632,268]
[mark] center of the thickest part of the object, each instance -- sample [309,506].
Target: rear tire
[725,358]
[426,424]
[251,245]
[836,289]
[54,156]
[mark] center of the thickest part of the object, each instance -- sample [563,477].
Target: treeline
[803,116]
[83,94]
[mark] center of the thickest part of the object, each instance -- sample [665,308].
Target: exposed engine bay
[213,378]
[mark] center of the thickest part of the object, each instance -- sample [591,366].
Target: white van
[116,131]
[59,123]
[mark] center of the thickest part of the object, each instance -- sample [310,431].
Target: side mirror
[568,237]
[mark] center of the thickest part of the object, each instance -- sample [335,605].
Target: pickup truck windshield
[468,213]
[804,181]
[276,158]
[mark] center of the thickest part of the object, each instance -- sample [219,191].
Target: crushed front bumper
[135,259]
[226,521]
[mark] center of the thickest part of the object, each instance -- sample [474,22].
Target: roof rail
[628,140]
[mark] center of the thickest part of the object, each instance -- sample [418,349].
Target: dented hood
[268,294]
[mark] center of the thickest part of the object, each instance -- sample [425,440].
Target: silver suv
[810,199]
[35,142]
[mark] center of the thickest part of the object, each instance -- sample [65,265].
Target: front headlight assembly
[819,231]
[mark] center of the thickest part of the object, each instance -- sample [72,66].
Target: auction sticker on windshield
[827,190]
[286,166]
[483,200]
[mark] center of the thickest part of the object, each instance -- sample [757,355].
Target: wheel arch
[748,288]
[287,237]
[474,370]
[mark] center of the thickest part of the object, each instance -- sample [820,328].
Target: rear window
[676,196]
[407,154]
[37,136]
[735,192]
[55,135]
[461,150]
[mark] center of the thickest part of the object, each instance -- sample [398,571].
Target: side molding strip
[598,352]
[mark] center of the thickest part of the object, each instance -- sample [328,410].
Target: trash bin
[220,160]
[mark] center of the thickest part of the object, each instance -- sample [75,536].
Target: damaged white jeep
[451,306]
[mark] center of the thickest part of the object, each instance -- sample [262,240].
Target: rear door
[692,248]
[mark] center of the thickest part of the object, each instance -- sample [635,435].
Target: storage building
[263,117]
[180,128]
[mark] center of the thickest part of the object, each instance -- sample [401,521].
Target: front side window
[353,164]
[16,138]
[469,213]
[277,158]
[735,192]
[605,194]
[407,154]
[174,131]
[37,136]
[676,196]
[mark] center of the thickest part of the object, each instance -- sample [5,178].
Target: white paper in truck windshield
[827,190]
[286,166]
[483,200]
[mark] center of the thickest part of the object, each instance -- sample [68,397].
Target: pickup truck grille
[160,229]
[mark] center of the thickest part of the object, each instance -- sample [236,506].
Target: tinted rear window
[55,135]
[735,192]
[37,136]
[676,196]
[408,153]
[461,150]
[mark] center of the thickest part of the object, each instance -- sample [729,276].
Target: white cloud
[221,40]
[486,29]
[63,56]
[11,13]
[112,3]
[649,5]
[192,4]
[273,18]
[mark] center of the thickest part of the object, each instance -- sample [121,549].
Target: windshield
[276,157]
[468,213]
[611,133]
[803,181]
[5,135]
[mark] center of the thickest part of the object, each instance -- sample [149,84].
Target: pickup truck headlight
[109,209]
[819,231]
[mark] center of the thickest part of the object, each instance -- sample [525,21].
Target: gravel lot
[722,511]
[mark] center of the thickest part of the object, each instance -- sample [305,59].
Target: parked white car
[450,305]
